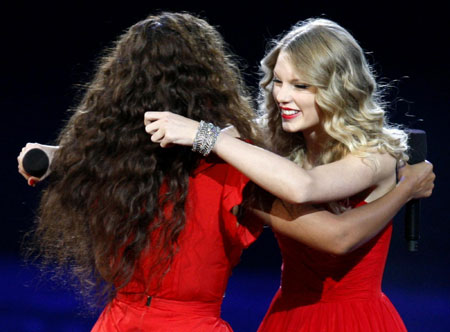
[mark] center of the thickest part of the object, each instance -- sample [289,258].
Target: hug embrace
[164,174]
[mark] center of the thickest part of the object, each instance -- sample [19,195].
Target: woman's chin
[290,128]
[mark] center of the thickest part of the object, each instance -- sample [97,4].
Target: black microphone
[35,162]
[417,141]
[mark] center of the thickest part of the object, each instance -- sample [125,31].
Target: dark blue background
[47,50]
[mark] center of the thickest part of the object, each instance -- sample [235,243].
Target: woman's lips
[288,113]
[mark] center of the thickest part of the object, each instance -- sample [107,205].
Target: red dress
[190,294]
[321,292]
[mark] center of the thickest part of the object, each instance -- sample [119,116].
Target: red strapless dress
[321,292]
[190,295]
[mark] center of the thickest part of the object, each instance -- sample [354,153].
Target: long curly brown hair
[104,202]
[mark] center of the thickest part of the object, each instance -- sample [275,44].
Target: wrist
[219,140]
[189,138]
[405,187]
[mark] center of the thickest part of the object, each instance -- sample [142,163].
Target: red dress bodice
[325,292]
[190,294]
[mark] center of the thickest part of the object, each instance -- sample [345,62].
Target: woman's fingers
[421,177]
[158,135]
[167,128]
[32,181]
[152,127]
[150,117]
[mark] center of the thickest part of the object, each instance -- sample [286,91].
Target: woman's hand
[49,151]
[167,128]
[419,177]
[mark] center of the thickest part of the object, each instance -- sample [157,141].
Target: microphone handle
[417,141]
[412,217]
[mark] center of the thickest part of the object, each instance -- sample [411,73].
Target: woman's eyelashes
[301,86]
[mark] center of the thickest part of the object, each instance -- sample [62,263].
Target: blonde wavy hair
[329,58]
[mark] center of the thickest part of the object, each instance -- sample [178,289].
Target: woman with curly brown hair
[150,229]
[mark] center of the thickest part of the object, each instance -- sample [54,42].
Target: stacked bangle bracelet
[205,138]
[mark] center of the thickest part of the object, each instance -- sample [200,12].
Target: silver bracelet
[205,138]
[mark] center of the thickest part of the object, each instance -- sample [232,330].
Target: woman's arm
[49,151]
[277,175]
[293,184]
[340,234]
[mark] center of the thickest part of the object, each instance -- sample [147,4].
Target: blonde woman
[328,127]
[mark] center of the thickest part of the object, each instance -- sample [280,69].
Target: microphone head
[35,162]
[417,141]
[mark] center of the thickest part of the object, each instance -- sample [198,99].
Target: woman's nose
[283,94]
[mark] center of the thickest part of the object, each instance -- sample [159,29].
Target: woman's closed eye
[276,81]
[302,86]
